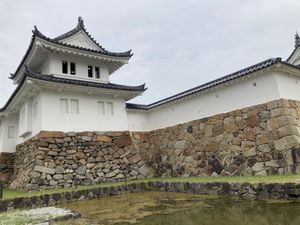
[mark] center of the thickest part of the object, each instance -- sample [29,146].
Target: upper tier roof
[130,91]
[60,42]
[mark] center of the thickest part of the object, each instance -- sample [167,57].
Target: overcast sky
[177,44]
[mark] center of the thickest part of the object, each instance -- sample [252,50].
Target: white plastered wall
[9,144]
[82,40]
[138,121]
[248,92]
[53,65]
[88,118]
[289,86]
[32,124]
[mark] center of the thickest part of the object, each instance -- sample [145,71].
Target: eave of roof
[126,54]
[50,78]
[13,95]
[80,26]
[211,84]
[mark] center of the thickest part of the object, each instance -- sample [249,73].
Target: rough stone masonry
[259,140]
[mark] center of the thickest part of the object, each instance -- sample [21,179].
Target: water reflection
[155,208]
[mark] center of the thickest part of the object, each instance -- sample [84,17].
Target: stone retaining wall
[259,140]
[7,161]
[289,191]
[57,159]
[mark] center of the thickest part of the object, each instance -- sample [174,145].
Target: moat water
[159,208]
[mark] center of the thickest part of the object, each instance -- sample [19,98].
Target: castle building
[63,85]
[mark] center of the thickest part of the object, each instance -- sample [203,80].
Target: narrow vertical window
[73,68]
[74,103]
[34,109]
[110,108]
[64,67]
[64,106]
[97,72]
[90,71]
[11,132]
[101,109]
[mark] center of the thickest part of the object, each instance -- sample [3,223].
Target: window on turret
[90,71]
[73,68]
[97,72]
[64,67]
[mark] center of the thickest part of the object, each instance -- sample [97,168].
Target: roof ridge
[39,34]
[80,27]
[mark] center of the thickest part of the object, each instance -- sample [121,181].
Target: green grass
[9,193]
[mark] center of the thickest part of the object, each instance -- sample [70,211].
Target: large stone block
[103,138]
[259,166]
[249,152]
[46,170]
[281,121]
[123,141]
[51,134]
[286,143]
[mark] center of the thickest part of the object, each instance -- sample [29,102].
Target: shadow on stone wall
[7,161]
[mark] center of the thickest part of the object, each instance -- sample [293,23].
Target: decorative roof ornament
[80,24]
[297,40]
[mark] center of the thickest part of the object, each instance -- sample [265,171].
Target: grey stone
[35,174]
[144,170]
[110,175]
[259,166]
[180,144]
[86,138]
[42,169]
[214,174]
[249,152]
[120,176]
[58,177]
[81,170]
[59,169]
[3,166]
[261,173]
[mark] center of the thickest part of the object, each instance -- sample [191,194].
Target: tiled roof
[50,78]
[103,51]
[222,80]
[80,26]
[297,45]
[61,80]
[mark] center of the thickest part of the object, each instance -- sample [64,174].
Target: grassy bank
[9,193]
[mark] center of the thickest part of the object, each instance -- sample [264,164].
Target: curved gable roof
[80,27]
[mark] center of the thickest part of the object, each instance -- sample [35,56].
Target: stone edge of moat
[290,191]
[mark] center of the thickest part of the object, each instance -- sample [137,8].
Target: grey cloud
[177,44]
